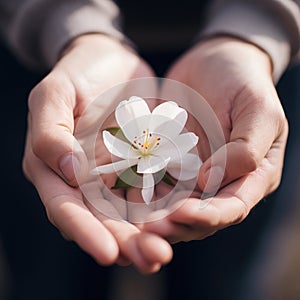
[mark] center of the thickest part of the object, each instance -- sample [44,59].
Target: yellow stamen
[148,144]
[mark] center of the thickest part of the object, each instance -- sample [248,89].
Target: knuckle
[242,215]
[203,236]
[50,216]
[285,126]
[274,185]
[54,87]
[214,222]
[211,220]
[50,209]
[250,157]
[38,94]
[39,145]
[35,95]
[278,116]
[25,168]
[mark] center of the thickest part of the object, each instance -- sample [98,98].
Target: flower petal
[151,164]
[129,110]
[114,167]
[117,147]
[186,141]
[178,147]
[133,117]
[185,169]
[148,188]
[168,119]
[168,109]
[136,128]
[166,128]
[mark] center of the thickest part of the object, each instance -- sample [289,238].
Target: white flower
[155,143]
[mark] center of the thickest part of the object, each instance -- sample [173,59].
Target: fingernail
[213,177]
[68,164]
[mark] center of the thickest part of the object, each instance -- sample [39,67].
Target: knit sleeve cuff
[273,26]
[45,27]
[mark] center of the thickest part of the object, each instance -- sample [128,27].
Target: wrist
[236,49]
[96,40]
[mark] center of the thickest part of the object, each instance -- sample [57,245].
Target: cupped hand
[89,66]
[235,78]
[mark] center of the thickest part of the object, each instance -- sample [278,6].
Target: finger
[233,203]
[158,220]
[256,124]
[171,226]
[196,220]
[67,212]
[123,261]
[79,225]
[231,161]
[51,105]
[137,210]
[147,242]
[130,238]
[173,231]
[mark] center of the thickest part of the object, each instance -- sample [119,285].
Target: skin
[88,67]
[245,102]
[255,129]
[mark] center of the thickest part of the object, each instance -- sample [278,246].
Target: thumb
[51,105]
[228,163]
[251,139]
[257,122]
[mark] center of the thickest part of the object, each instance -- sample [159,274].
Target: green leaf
[120,184]
[162,175]
[130,178]
[127,179]
[118,133]
[168,179]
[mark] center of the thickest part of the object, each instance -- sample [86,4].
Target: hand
[235,79]
[88,67]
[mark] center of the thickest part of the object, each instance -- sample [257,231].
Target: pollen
[146,143]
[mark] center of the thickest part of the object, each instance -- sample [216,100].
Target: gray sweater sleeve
[272,25]
[38,30]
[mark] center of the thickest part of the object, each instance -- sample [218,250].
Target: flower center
[146,143]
